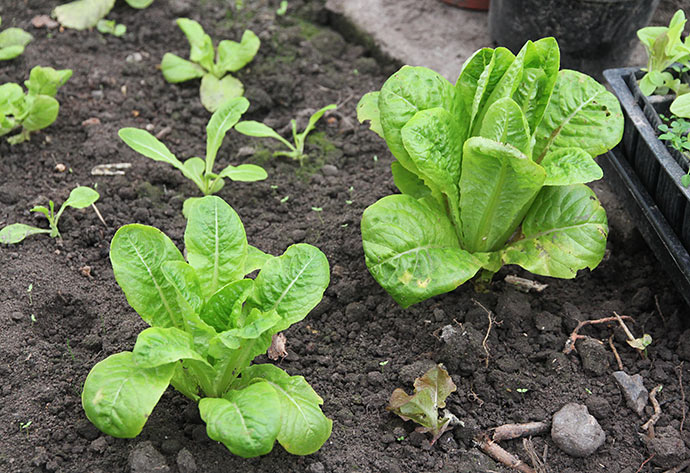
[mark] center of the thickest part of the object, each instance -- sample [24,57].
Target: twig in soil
[682,395]
[539,464]
[644,463]
[513,431]
[489,316]
[679,468]
[100,217]
[658,309]
[474,397]
[525,285]
[615,353]
[649,425]
[574,336]
[496,452]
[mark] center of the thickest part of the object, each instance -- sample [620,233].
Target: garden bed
[61,310]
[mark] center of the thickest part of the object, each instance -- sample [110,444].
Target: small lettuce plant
[294,151]
[79,198]
[200,171]
[208,322]
[217,84]
[12,42]
[665,48]
[84,14]
[491,170]
[34,110]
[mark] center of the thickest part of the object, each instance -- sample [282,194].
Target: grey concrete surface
[419,32]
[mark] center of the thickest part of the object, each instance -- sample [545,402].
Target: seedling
[85,14]
[664,48]
[296,150]
[34,110]
[284,199]
[79,198]
[25,427]
[200,171]
[208,322]
[282,9]
[431,391]
[318,211]
[29,291]
[12,42]
[491,170]
[677,138]
[111,27]
[217,85]
[383,364]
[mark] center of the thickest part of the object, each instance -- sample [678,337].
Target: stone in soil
[594,356]
[633,390]
[146,459]
[185,461]
[575,431]
[667,447]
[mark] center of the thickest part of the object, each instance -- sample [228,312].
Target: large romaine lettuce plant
[492,171]
[208,322]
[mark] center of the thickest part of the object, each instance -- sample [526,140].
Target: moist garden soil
[61,310]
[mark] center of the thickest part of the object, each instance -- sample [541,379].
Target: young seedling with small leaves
[111,27]
[430,393]
[85,14]
[200,171]
[677,138]
[34,110]
[79,198]
[217,84]
[208,323]
[12,42]
[296,149]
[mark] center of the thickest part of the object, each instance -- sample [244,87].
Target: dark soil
[58,318]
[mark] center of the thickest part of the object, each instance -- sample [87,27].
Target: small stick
[615,353]
[525,285]
[496,452]
[570,343]
[679,468]
[488,330]
[644,463]
[513,431]
[658,309]
[539,464]
[682,394]
[649,425]
[627,331]
[100,217]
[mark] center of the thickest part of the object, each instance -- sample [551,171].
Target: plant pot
[647,176]
[470,4]
[592,34]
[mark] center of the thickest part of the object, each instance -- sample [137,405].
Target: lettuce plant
[294,151]
[12,42]
[208,322]
[84,14]
[664,48]
[200,171]
[34,110]
[217,85]
[491,171]
[430,393]
[79,198]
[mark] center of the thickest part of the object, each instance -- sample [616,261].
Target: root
[490,316]
[513,431]
[496,452]
[574,336]
[649,425]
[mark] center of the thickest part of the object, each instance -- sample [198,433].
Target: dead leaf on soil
[277,348]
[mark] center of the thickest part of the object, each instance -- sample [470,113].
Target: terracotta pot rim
[469,4]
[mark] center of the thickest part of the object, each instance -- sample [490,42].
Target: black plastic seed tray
[659,169]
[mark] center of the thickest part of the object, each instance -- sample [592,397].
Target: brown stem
[496,452]
[513,431]
[615,353]
[570,343]
[649,425]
